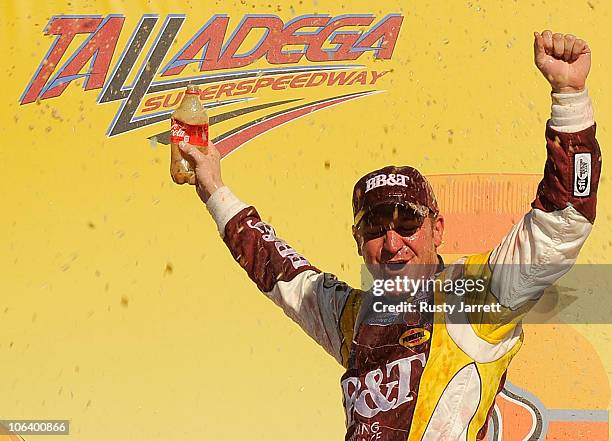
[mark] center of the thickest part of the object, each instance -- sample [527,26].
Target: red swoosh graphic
[235,140]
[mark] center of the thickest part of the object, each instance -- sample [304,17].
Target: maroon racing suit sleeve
[316,301]
[573,163]
[266,258]
[571,173]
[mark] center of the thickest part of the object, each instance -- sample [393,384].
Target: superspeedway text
[254,85]
[283,45]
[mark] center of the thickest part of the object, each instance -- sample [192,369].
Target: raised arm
[545,244]
[324,307]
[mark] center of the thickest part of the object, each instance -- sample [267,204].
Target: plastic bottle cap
[193,90]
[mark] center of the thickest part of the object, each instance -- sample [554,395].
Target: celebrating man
[429,375]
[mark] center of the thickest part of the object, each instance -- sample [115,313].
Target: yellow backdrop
[122,310]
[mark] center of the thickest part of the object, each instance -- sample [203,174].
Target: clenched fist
[563,59]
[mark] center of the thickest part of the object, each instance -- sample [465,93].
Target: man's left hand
[563,59]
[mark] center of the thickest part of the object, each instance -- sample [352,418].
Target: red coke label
[194,135]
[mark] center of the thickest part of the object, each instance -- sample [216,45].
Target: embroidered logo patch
[414,337]
[582,174]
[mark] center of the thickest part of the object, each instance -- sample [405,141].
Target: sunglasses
[403,220]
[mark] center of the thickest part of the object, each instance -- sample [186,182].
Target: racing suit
[429,376]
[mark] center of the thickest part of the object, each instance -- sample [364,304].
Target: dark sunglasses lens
[403,220]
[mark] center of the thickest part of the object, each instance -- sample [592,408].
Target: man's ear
[358,239]
[438,230]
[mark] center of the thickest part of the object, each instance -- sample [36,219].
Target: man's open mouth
[395,266]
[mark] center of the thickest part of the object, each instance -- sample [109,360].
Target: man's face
[395,241]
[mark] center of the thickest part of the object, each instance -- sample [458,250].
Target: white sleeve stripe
[300,300]
[224,205]
[539,249]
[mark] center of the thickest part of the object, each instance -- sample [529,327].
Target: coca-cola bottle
[189,124]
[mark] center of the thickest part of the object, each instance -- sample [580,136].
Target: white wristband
[571,112]
[224,205]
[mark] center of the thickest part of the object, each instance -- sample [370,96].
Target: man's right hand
[207,168]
